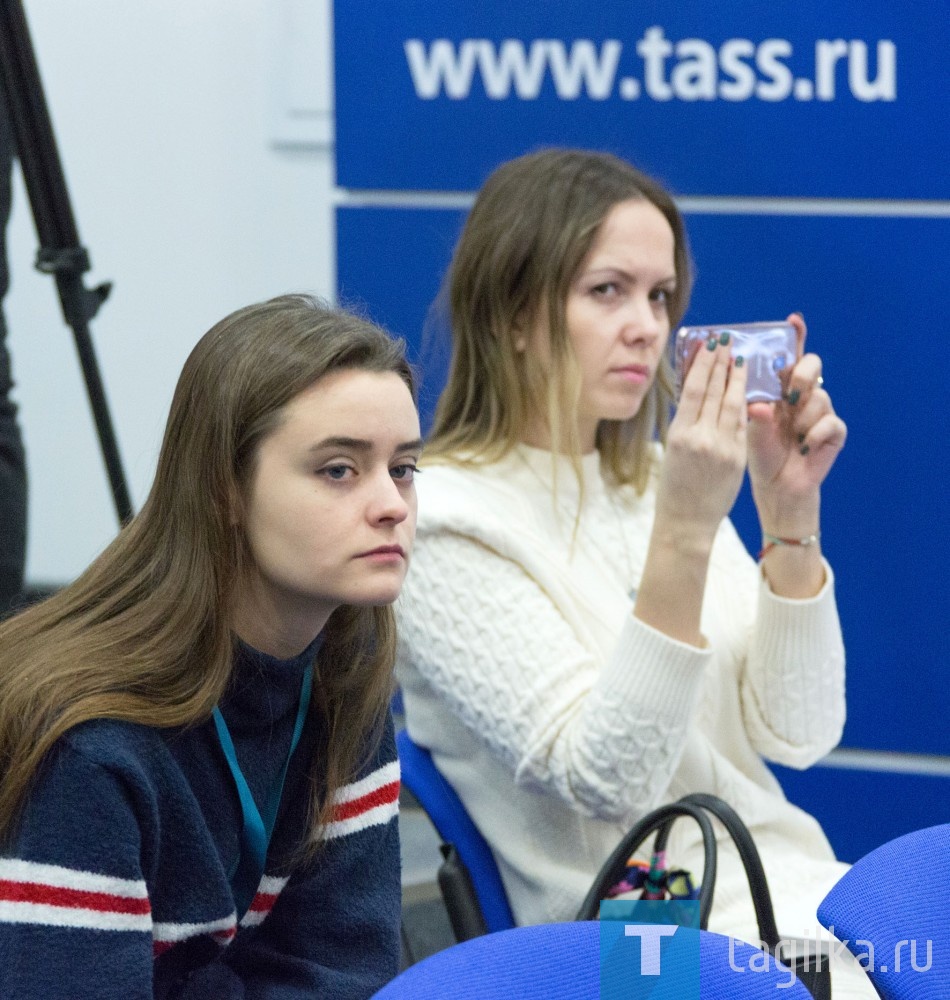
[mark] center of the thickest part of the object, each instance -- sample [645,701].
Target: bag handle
[661,819]
[748,855]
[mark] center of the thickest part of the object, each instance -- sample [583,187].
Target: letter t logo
[649,935]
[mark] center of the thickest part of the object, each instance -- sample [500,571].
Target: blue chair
[896,901]
[471,886]
[562,962]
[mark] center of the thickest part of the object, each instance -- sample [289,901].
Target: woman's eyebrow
[609,270]
[416,444]
[360,444]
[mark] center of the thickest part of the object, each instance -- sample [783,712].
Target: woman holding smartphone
[584,636]
[198,782]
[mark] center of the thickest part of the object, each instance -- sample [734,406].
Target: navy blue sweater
[117,883]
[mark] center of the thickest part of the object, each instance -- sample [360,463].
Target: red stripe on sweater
[356,807]
[223,937]
[264,902]
[73,899]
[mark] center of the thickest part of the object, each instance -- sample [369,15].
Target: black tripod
[60,253]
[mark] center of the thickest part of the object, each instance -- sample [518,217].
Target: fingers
[798,321]
[811,415]
[803,381]
[716,386]
[829,430]
[734,409]
[706,444]
[714,389]
[697,379]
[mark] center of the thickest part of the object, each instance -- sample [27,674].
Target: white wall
[162,114]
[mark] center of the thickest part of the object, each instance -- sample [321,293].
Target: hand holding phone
[767,348]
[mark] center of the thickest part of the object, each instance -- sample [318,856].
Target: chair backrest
[893,909]
[455,827]
[563,962]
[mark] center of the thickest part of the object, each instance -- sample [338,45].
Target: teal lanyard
[245,876]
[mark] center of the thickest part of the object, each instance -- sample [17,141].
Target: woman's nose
[642,320]
[389,502]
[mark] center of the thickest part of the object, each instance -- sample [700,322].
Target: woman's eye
[663,296]
[605,290]
[404,473]
[335,472]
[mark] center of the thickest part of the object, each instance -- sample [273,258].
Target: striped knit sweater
[116,884]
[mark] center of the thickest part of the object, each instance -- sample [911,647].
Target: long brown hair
[531,227]
[143,635]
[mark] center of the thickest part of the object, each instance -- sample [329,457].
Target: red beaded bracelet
[772,540]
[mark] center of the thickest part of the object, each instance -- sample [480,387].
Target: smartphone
[766,347]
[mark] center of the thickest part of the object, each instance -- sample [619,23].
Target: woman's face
[330,511]
[617,313]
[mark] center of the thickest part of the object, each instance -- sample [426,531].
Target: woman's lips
[632,373]
[384,554]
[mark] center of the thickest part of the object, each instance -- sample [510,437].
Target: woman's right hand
[706,447]
[700,479]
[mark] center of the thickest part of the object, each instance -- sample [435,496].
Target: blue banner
[869,289]
[732,98]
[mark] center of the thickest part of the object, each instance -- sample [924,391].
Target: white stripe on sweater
[372,817]
[169,933]
[263,902]
[382,776]
[272,885]
[17,870]
[68,916]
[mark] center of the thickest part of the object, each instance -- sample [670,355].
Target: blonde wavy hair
[523,243]
[144,634]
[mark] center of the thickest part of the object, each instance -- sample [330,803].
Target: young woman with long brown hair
[198,783]
[584,636]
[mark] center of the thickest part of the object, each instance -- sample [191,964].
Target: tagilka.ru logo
[649,950]
[650,936]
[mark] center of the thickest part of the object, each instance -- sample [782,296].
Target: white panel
[300,33]
[161,112]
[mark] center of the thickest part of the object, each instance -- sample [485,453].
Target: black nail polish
[740,361]
[805,449]
[793,397]
[801,438]
[711,344]
[724,337]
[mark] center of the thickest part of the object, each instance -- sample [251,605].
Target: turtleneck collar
[264,688]
[554,468]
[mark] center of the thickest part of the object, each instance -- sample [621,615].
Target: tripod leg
[61,254]
[12,458]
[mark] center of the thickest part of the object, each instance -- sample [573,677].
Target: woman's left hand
[792,445]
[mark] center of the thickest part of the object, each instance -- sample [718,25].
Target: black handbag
[813,969]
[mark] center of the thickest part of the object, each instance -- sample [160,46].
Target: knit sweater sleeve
[483,636]
[793,695]
[75,917]
[332,928]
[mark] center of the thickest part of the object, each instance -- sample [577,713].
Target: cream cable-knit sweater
[560,718]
